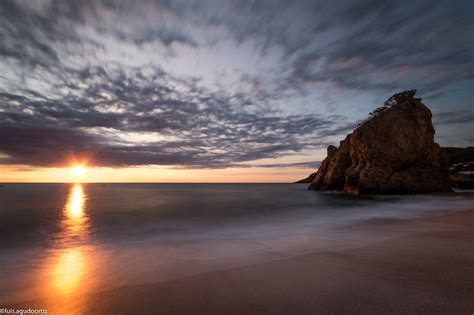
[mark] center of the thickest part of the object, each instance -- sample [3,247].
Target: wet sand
[429,270]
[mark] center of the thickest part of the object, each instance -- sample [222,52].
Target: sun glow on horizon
[78,172]
[151,174]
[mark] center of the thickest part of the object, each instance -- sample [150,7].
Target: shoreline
[428,270]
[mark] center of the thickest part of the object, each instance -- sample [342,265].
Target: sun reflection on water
[75,222]
[68,265]
[75,203]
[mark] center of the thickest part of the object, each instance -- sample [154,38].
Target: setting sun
[78,171]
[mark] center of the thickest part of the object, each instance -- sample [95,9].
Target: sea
[62,241]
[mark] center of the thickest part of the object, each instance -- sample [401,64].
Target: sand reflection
[68,271]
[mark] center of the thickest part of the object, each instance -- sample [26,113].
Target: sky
[218,91]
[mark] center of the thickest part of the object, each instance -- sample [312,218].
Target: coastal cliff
[391,152]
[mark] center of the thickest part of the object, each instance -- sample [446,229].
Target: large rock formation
[392,152]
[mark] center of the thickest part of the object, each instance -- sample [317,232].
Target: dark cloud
[455,117]
[166,36]
[361,45]
[25,35]
[35,33]
[355,45]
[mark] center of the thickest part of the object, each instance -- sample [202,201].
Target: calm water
[58,241]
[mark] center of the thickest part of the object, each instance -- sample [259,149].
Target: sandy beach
[429,270]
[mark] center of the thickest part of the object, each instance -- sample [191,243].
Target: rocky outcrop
[391,152]
[462,181]
[462,166]
[307,180]
[462,173]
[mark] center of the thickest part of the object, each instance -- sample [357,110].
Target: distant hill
[459,155]
[307,180]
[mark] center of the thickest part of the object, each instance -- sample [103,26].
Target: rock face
[392,152]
